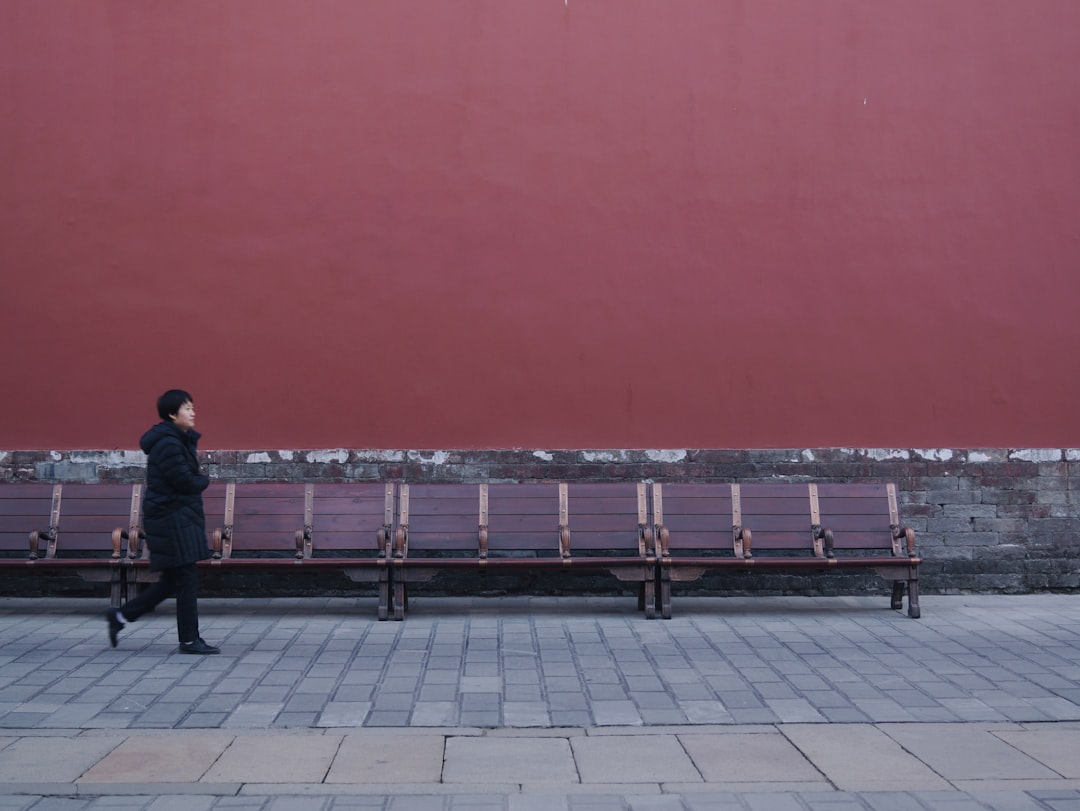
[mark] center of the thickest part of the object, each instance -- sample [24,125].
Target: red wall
[591,223]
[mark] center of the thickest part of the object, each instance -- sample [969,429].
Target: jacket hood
[164,429]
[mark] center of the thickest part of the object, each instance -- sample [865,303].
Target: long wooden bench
[66,527]
[486,528]
[399,535]
[797,527]
[309,527]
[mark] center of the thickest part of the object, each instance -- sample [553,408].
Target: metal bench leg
[384,595]
[665,593]
[897,595]
[641,596]
[399,599]
[117,586]
[913,599]
[649,595]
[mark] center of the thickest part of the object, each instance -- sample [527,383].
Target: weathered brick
[1053,498]
[1000,525]
[970,510]
[991,495]
[1024,510]
[973,539]
[953,497]
[718,457]
[953,526]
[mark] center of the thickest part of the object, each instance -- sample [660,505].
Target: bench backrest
[778,515]
[860,516]
[790,519]
[709,519]
[348,519]
[523,518]
[439,518]
[697,518]
[26,508]
[90,513]
[544,519]
[253,519]
[266,519]
[608,518]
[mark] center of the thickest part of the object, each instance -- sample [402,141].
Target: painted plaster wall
[545,223]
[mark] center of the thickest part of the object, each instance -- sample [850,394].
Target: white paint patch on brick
[373,455]
[56,456]
[935,454]
[884,454]
[340,456]
[107,458]
[808,455]
[286,456]
[668,456]
[601,456]
[1071,455]
[4,456]
[544,455]
[978,457]
[436,458]
[1036,454]
[254,458]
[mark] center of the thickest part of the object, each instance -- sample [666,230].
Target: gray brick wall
[986,520]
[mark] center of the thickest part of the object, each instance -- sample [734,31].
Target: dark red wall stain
[598,223]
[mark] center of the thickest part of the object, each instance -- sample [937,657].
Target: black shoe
[114,624]
[198,647]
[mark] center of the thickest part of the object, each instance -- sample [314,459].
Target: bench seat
[66,527]
[560,527]
[811,528]
[306,527]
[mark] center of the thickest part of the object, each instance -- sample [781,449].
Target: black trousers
[181,582]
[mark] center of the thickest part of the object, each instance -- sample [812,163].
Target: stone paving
[547,703]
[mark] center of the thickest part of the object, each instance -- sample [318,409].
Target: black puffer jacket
[173,507]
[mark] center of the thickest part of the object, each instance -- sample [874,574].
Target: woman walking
[174,522]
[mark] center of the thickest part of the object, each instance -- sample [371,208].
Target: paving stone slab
[862,758]
[968,752]
[764,757]
[43,759]
[509,760]
[275,758]
[633,759]
[388,759]
[170,758]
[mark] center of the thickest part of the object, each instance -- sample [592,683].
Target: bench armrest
[648,540]
[907,534]
[303,542]
[663,541]
[824,537]
[747,537]
[49,536]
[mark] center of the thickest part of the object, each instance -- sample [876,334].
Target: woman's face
[184,419]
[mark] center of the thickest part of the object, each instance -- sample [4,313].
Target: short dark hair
[168,404]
